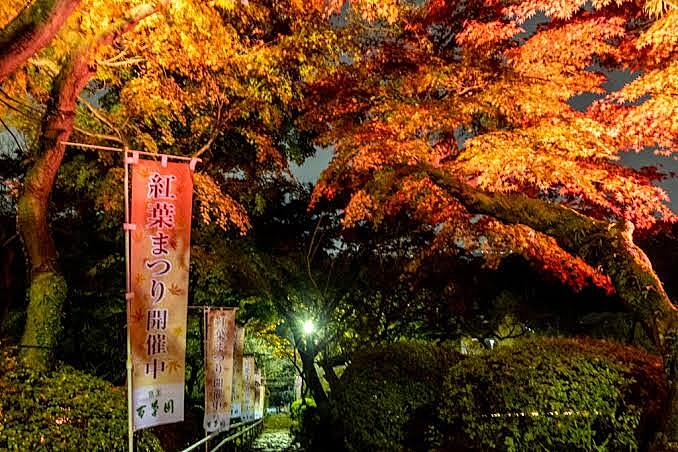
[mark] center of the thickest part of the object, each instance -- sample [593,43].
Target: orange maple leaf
[174,366]
[137,316]
[139,278]
[176,290]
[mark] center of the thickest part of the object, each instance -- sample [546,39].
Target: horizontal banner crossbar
[114,149]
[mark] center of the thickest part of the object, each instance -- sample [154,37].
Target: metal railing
[242,434]
[244,437]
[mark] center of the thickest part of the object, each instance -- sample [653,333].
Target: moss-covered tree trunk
[25,35]
[30,31]
[47,286]
[639,287]
[608,246]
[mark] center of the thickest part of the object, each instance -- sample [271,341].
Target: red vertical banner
[159,263]
[220,335]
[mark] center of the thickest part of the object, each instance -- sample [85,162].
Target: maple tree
[447,112]
[47,289]
[173,74]
[460,115]
[172,67]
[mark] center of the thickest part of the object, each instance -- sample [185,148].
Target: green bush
[298,407]
[386,397]
[552,394]
[311,431]
[64,409]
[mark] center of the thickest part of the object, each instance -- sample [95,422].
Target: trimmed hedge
[386,397]
[64,409]
[553,394]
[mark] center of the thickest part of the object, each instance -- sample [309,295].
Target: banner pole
[205,315]
[128,288]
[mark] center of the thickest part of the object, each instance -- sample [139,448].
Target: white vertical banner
[219,339]
[257,393]
[261,399]
[238,383]
[298,383]
[248,391]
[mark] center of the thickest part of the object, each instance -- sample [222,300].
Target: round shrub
[386,397]
[64,409]
[552,394]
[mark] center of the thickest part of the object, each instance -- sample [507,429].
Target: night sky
[311,169]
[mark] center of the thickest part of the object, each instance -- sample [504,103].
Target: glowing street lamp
[308,327]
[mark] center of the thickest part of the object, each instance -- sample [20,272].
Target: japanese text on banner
[220,336]
[160,254]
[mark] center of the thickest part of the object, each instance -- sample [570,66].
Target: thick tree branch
[601,244]
[30,31]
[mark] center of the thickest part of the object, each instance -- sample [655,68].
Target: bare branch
[120,55]
[216,128]
[21,148]
[21,112]
[101,116]
[312,249]
[293,360]
[9,240]
[32,108]
[99,136]
[127,62]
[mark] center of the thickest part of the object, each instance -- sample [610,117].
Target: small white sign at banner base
[158,404]
[216,423]
[235,409]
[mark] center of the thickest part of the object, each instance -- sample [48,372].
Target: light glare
[308,327]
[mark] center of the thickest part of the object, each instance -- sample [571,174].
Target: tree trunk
[7,256]
[30,31]
[641,290]
[313,382]
[608,246]
[330,376]
[47,286]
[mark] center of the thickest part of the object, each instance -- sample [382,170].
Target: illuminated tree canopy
[468,118]
[463,116]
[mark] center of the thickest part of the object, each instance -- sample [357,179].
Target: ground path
[276,436]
